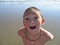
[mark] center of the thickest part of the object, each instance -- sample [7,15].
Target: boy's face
[32,21]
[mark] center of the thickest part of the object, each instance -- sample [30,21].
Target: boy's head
[33,10]
[33,18]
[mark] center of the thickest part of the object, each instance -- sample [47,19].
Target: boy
[33,33]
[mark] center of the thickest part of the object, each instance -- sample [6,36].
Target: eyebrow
[30,14]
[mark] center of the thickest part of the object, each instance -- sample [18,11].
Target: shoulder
[47,34]
[21,32]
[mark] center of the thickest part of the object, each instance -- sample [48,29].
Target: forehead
[32,13]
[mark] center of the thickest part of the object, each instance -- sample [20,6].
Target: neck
[33,35]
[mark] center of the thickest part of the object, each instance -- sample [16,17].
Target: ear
[43,21]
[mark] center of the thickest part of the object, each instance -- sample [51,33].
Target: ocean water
[11,19]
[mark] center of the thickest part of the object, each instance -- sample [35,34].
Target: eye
[36,17]
[27,18]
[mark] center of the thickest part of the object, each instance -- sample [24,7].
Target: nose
[31,21]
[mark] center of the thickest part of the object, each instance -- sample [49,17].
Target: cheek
[26,24]
[38,23]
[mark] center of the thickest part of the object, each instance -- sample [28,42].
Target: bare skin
[44,37]
[32,33]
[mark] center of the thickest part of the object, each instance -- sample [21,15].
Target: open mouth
[32,27]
